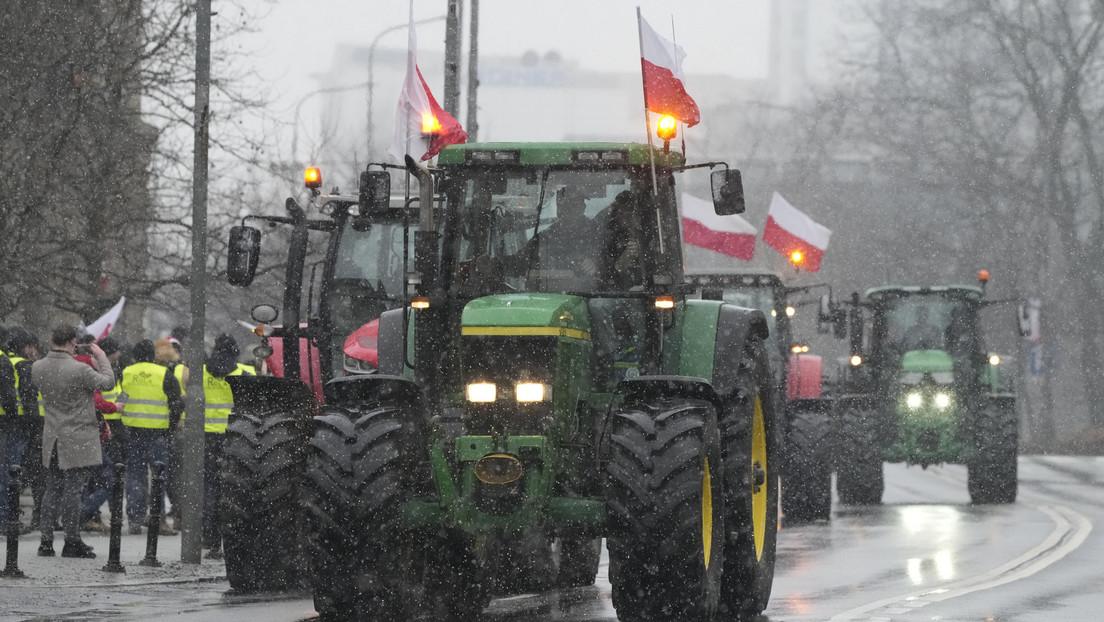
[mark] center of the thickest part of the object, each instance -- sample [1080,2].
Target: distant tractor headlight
[994,360]
[856,360]
[914,400]
[530,391]
[942,400]
[484,392]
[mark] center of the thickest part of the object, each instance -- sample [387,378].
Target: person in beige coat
[70,436]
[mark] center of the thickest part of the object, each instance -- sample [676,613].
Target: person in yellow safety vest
[219,401]
[167,352]
[153,409]
[21,423]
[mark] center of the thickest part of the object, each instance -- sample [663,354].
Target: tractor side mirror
[728,192]
[242,254]
[375,191]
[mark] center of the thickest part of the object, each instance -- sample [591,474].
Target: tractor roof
[885,291]
[556,154]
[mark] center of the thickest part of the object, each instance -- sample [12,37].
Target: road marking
[1070,530]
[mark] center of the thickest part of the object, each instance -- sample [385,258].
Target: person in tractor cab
[569,244]
[923,335]
[620,265]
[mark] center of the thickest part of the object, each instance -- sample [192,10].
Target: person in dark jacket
[22,422]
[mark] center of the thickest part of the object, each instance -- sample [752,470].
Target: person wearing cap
[70,434]
[24,422]
[219,401]
[152,411]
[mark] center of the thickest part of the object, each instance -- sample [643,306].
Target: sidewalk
[61,571]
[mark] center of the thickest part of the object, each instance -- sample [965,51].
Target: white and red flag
[103,325]
[792,233]
[422,127]
[664,82]
[728,235]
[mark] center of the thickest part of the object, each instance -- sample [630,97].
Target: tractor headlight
[914,400]
[529,391]
[942,400]
[482,392]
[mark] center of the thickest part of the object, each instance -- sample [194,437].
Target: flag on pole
[728,235]
[792,233]
[664,82]
[102,326]
[422,127]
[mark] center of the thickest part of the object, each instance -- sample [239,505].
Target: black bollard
[11,570]
[116,506]
[154,515]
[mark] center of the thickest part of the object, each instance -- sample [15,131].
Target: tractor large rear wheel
[666,508]
[262,466]
[859,476]
[992,473]
[750,435]
[807,481]
[353,491]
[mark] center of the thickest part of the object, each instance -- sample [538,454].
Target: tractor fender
[734,326]
[260,396]
[372,387]
[646,387]
[390,353]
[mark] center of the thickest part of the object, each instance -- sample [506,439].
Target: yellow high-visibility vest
[111,396]
[219,399]
[15,360]
[147,406]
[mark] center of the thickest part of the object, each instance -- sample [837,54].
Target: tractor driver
[567,247]
[923,335]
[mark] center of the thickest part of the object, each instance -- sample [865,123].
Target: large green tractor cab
[806,427]
[922,389]
[544,383]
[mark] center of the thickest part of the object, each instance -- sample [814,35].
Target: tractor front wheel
[859,476]
[667,509]
[992,473]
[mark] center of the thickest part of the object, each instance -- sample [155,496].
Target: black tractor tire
[577,558]
[665,496]
[752,457]
[993,472]
[352,496]
[859,476]
[807,478]
[262,467]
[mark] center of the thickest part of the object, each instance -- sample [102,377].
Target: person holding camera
[70,435]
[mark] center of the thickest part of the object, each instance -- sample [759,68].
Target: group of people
[69,416]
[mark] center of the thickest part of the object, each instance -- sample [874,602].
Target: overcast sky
[296,37]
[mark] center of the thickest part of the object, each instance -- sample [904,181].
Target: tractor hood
[926,362]
[558,314]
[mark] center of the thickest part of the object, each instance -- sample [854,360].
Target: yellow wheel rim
[759,491]
[707,513]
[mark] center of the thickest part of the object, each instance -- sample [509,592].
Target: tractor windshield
[926,322]
[550,230]
[367,273]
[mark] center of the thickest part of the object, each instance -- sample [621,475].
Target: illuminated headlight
[529,391]
[482,392]
[914,400]
[942,400]
[994,360]
[856,360]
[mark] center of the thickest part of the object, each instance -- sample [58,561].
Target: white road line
[1070,530]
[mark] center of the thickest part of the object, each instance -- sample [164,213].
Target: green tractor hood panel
[568,315]
[927,361]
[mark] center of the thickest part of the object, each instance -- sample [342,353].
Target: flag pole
[647,116]
[678,64]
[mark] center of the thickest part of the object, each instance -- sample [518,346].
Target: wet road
[925,554]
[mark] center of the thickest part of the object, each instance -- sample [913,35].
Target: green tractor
[541,382]
[807,443]
[923,390]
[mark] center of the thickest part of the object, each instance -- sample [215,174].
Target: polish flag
[422,127]
[728,235]
[792,233]
[664,90]
[103,325]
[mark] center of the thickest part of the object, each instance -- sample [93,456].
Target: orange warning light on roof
[312,177]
